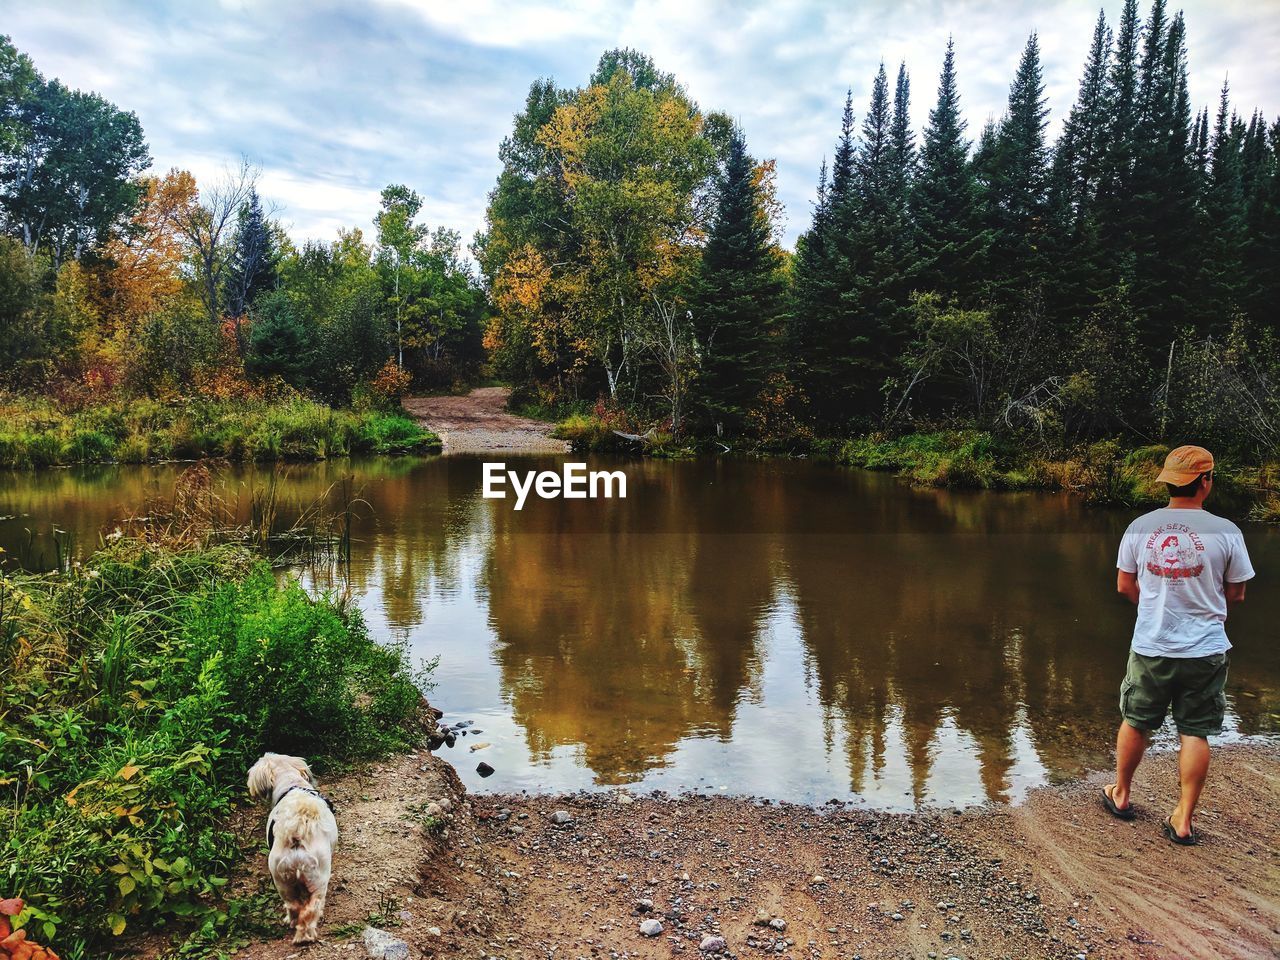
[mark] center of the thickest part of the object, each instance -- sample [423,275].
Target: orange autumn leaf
[143,265]
[11,942]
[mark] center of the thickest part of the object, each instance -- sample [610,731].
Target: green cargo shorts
[1194,686]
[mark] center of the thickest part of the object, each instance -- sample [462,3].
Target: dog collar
[311,790]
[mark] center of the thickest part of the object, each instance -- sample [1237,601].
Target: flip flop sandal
[1190,840]
[1126,813]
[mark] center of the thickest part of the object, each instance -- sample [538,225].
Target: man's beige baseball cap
[1184,465]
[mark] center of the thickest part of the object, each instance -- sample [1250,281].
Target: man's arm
[1235,592]
[1127,585]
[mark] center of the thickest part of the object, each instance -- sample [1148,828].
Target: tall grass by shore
[1105,472]
[34,433]
[136,689]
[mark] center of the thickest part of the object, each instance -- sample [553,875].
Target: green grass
[588,433]
[34,434]
[137,688]
[1105,472]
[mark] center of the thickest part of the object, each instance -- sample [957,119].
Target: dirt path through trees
[480,423]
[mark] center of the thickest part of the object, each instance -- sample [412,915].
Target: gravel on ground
[581,875]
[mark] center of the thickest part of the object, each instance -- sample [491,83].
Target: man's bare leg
[1193,767]
[1131,744]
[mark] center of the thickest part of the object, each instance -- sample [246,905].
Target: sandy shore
[480,423]
[1055,877]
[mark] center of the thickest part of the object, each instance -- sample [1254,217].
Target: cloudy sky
[335,100]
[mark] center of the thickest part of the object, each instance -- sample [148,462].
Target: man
[1182,566]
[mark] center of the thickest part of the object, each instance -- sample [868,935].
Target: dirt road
[480,423]
[501,877]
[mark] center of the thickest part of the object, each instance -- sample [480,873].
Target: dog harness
[271,820]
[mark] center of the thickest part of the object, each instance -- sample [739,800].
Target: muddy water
[780,629]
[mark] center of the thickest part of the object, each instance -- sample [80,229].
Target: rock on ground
[381,945]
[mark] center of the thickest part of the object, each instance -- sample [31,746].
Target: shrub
[292,428]
[389,433]
[88,446]
[137,690]
[42,449]
[390,384]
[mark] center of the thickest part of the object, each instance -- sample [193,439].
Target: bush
[88,446]
[1103,472]
[39,435]
[961,458]
[138,688]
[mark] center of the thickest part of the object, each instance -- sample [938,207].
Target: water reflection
[783,629]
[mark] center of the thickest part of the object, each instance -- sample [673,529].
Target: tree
[902,143]
[823,310]
[1163,189]
[281,341]
[1262,244]
[1118,162]
[528,229]
[19,84]
[1224,222]
[1078,158]
[616,176]
[1074,178]
[738,298]
[398,240]
[23,349]
[69,184]
[881,250]
[141,268]
[205,227]
[251,265]
[950,238]
[1018,176]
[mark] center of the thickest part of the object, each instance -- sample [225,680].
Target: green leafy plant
[137,688]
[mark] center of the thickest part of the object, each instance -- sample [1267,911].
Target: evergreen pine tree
[842,164]
[951,242]
[824,308]
[1019,177]
[902,142]
[1200,150]
[738,297]
[1162,193]
[1222,228]
[1262,245]
[1072,242]
[873,155]
[1078,159]
[1117,165]
[252,266]
[879,256]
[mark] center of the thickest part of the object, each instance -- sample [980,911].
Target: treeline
[1122,281]
[115,282]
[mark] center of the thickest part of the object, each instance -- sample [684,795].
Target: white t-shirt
[1182,557]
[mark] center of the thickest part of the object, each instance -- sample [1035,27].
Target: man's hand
[1127,585]
[1235,592]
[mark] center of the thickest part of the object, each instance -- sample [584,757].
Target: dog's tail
[295,826]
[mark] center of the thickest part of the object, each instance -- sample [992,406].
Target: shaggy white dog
[302,833]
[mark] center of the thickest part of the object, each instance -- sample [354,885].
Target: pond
[781,629]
